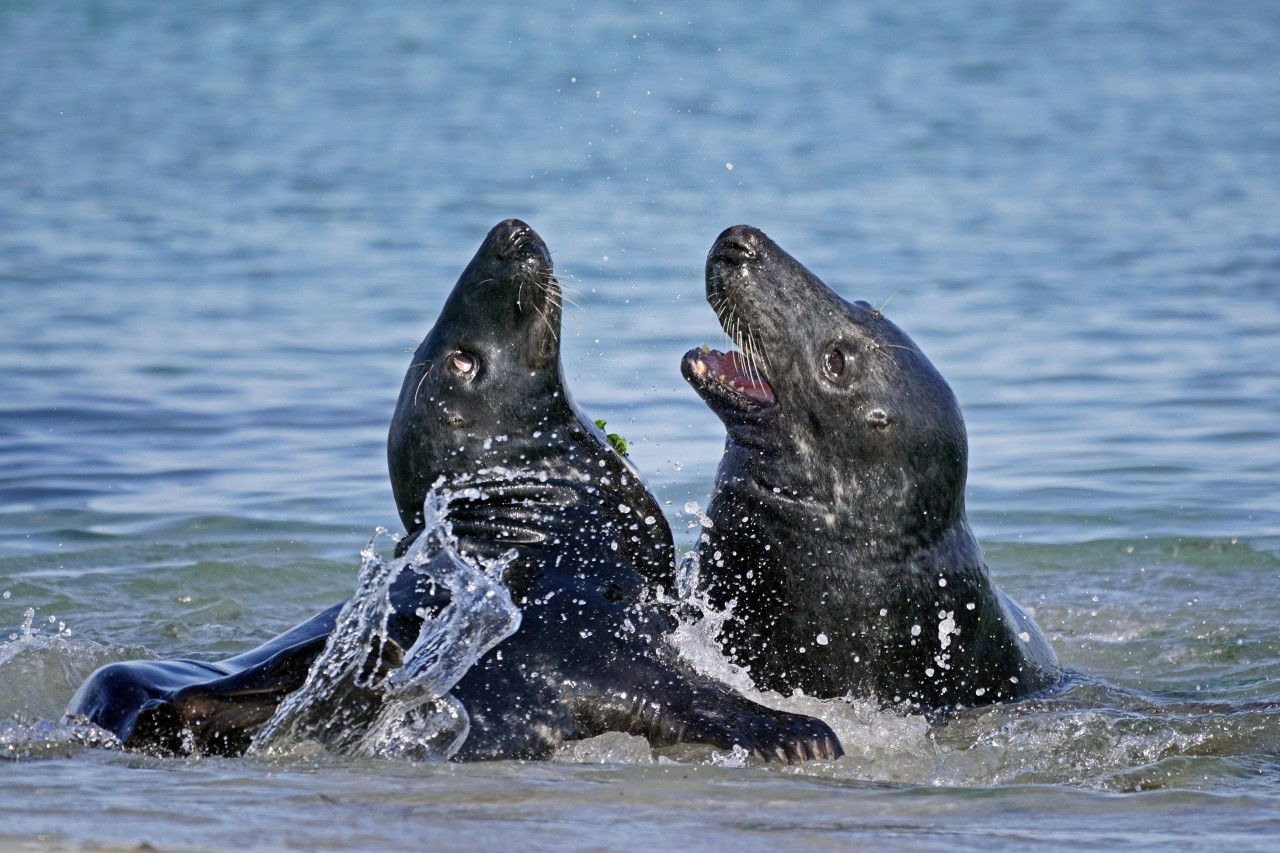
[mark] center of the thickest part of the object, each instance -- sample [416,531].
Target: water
[355,701]
[224,228]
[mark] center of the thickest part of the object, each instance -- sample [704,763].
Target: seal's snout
[509,237]
[739,245]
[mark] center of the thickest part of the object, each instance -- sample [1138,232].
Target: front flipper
[691,709]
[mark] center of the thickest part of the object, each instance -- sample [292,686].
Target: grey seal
[838,529]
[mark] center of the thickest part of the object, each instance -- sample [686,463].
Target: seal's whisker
[751,352]
[548,290]
[730,324]
[755,358]
[553,328]
[896,291]
[423,378]
[564,288]
[520,282]
[569,300]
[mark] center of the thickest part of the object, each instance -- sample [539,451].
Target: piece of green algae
[619,443]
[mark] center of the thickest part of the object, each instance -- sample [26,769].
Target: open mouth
[730,376]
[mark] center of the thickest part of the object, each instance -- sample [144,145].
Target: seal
[484,413]
[484,408]
[838,534]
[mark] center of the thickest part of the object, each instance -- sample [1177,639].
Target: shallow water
[224,228]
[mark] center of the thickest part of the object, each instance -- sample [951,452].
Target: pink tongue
[732,369]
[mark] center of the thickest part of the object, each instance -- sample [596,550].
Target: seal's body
[484,415]
[838,521]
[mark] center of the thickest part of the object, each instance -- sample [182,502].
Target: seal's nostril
[510,237]
[739,245]
[734,250]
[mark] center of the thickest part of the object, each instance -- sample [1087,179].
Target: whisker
[553,290]
[423,378]
[755,357]
[569,300]
[896,291]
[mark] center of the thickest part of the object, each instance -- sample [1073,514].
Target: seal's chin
[727,379]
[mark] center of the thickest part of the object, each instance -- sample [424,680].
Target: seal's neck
[884,510]
[566,489]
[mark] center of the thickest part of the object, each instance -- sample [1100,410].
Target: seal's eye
[834,362]
[462,363]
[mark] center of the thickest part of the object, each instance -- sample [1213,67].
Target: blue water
[225,226]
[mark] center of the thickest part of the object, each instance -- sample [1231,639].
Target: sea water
[225,227]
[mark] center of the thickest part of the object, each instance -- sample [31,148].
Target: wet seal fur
[838,531]
[484,413]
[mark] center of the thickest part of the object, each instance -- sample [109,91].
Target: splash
[1089,733]
[869,734]
[697,632]
[23,737]
[41,663]
[364,695]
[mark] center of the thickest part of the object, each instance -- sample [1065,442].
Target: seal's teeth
[704,349]
[700,368]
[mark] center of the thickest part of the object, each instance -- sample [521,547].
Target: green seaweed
[619,443]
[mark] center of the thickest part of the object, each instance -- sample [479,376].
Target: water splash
[23,738]
[366,696]
[29,630]
[41,664]
[1091,734]
[697,632]
[868,733]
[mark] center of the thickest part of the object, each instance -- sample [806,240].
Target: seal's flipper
[763,732]
[689,708]
[183,706]
[177,706]
[222,715]
[132,700]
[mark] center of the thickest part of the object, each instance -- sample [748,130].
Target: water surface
[225,227]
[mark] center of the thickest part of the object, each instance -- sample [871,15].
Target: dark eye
[834,362]
[462,363]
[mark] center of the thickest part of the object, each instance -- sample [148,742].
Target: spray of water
[364,695]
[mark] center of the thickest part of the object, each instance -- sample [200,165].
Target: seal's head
[487,377]
[828,400]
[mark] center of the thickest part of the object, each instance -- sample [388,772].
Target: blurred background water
[225,226]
